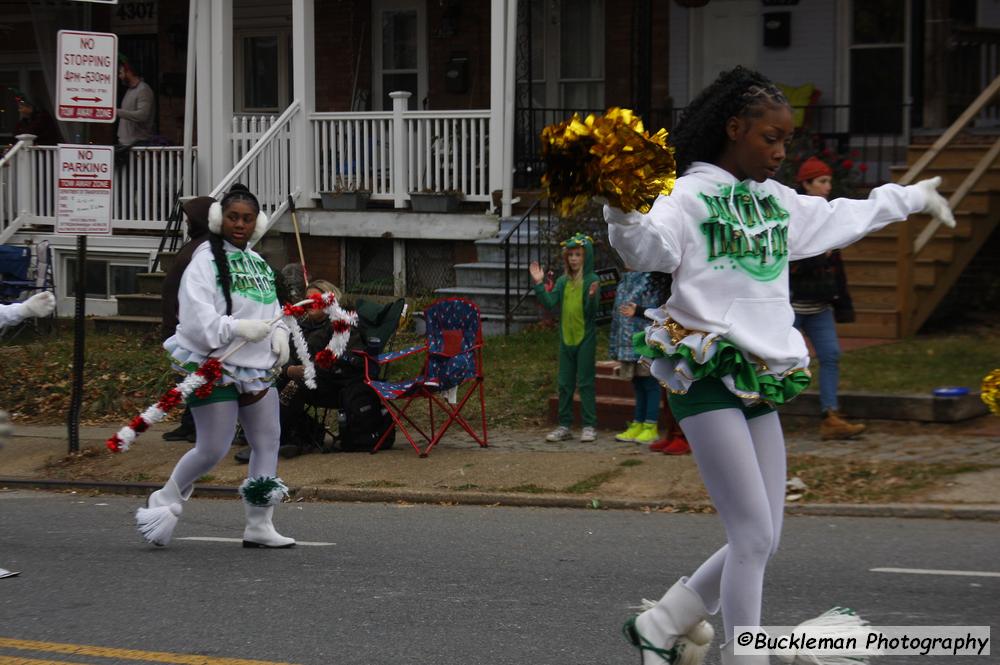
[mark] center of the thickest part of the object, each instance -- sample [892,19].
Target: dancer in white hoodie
[228,298]
[724,344]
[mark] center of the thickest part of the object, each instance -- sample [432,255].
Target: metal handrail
[505,241]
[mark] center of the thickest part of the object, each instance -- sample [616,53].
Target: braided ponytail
[225,277]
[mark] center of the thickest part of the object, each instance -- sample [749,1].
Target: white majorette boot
[260,495]
[157,520]
[672,631]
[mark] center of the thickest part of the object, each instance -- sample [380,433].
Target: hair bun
[238,187]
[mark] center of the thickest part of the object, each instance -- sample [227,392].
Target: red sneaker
[658,446]
[678,446]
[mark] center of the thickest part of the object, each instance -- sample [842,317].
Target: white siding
[811,58]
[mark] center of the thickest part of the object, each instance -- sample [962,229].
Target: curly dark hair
[700,134]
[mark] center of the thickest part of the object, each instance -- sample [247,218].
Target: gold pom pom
[610,156]
[990,392]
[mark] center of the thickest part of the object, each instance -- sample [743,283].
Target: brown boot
[835,427]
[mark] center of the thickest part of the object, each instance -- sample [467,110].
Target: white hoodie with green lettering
[727,244]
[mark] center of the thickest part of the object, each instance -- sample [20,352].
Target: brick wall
[322,256]
[619,53]
[343,30]
[458,29]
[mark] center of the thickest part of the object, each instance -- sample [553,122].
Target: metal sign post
[83,207]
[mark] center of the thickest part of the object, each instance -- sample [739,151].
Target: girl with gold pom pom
[724,344]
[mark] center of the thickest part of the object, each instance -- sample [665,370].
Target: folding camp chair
[24,271]
[452,358]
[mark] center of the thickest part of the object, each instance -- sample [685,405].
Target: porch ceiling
[393,224]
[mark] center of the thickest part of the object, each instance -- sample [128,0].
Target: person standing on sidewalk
[227,302]
[575,293]
[637,292]
[820,301]
[724,343]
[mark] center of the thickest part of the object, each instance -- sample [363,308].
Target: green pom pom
[263,491]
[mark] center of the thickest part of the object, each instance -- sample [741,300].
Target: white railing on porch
[144,188]
[267,168]
[440,151]
[246,131]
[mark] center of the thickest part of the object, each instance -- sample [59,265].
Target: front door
[399,52]
[725,34]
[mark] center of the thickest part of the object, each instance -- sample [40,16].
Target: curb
[982,512]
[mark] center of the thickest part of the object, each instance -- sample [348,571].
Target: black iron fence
[870,138]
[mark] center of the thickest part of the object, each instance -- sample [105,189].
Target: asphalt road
[437,585]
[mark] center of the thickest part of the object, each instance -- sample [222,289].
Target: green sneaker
[628,436]
[647,434]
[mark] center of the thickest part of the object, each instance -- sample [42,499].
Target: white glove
[40,304]
[937,205]
[252,330]
[279,345]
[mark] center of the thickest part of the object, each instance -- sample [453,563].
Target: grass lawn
[125,374]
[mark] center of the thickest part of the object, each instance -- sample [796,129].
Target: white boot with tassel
[260,495]
[156,522]
[672,631]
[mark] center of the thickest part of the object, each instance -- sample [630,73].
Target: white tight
[742,463]
[216,423]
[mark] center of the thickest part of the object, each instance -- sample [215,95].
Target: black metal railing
[530,239]
[173,232]
[873,137]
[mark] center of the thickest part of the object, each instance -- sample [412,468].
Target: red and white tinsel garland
[202,381]
[341,322]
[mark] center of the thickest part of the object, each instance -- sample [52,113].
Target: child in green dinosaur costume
[575,293]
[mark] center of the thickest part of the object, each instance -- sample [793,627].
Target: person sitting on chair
[300,433]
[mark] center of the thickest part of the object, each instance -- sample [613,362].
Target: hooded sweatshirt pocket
[762,327]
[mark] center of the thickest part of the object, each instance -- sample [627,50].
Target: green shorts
[710,394]
[227,393]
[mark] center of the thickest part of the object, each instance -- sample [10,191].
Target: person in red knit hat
[820,300]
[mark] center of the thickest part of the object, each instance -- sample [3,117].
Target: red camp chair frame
[428,387]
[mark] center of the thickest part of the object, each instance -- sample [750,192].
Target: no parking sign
[83,189]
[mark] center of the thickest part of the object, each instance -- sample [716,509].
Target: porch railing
[439,151]
[266,168]
[529,239]
[144,188]
[246,131]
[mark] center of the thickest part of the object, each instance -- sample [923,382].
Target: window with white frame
[263,77]
[567,54]
[877,66]
[106,277]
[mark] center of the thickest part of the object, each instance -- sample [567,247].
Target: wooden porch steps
[872,263]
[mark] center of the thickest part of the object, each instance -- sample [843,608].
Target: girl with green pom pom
[724,343]
[575,293]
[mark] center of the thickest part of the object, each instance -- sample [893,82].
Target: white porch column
[498,30]
[398,268]
[203,81]
[189,187]
[400,101]
[304,89]
[26,182]
[510,93]
[222,87]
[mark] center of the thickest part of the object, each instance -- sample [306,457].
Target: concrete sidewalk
[521,468]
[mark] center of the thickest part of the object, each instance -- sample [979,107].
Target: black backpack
[362,420]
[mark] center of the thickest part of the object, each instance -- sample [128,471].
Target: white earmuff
[259,229]
[215,218]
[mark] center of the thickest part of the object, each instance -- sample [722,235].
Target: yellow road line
[110,652]
[12,660]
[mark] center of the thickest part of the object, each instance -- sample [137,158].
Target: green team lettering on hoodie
[763,252]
